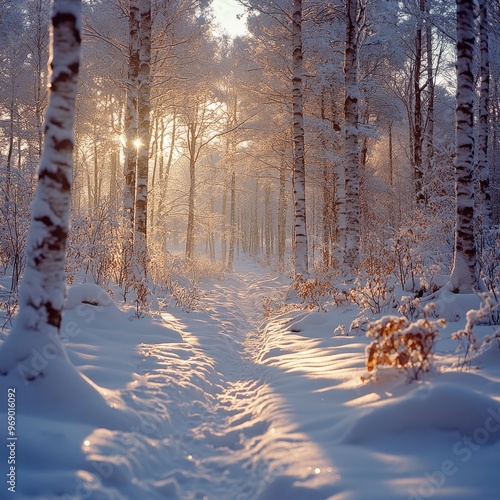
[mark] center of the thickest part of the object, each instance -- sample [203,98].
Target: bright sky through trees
[226,12]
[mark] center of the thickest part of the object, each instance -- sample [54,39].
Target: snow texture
[222,404]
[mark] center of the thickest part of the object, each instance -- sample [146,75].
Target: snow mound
[60,392]
[441,407]
[454,306]
[88,293]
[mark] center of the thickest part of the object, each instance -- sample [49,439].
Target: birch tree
[417,111]
[464,276]
[431,92]
[143,129]
[483,126]
[351,147]
[299,170]
[43,286]
[131,118]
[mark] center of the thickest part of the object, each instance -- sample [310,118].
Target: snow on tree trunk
[282,213]
[192,139]
[232,220]
[340,209]
[483,126]
[143,129]
[131,118]
[417,111]
[351,147]
[43,287]
[464,276]
[299,171]
[431,91]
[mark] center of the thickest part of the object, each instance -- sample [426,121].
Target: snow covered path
[222,405]
[227,434]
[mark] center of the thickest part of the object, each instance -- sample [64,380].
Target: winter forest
[250,249]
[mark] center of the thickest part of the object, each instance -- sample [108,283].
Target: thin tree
[464,276]
[417,110]
[483,126]
[299,170]
[43,286]
[351,146]
[130,124]
[143,131]
[431,92]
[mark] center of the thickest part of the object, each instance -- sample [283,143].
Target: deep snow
[222,404]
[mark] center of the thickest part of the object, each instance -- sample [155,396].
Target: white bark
[464,276]
[143,129]
[340,208]
[351,146]
[483,126]
[131,117]
[431,91]
[417,110]
[299,173]
[43,288]
[232,220]
[282,209]
[193,131]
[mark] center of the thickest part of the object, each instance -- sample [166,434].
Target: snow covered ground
[220,404]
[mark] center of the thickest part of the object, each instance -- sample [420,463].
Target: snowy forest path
[204,403]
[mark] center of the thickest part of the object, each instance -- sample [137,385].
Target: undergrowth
[403,344]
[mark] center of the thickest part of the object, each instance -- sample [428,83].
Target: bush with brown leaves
[403,344]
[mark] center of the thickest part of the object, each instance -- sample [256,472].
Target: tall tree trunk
[154,153]
[391,158]
[227,167]
[267,223]
[340,209]
[299,171]
[192,191]
[210,228]
[10,151]
[327,216]
[96,197]
[165,173]
[483,128]
[282,213]
[232,220]
[254,222]
[351,146]
[43,287]
[417,110]
[464,275]
[112,179]
[143,130]
[431,92]
[130,124]
[40,48]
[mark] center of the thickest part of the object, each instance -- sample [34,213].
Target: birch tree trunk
[464,275]
[43,287]
[232,220]
[483,128]
[267,223]
[225,188]
[340,209]
[351,146]
[431,93]
[131,119]
[282,213]
[299,172]
[417,110]
[143,131]
[192,139]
